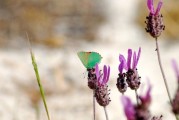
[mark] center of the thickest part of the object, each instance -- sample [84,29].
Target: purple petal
[121,66]
[104,74]
[107,79]
[129,58]
[100,80]
[175,67]
[158,7]
[150,6]
[121,58]
[128,108]
[138,55]
[97,71]
[134,61]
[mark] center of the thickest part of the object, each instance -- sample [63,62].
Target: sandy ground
[62,72]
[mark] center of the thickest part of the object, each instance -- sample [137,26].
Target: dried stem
[106,113]
[163,74]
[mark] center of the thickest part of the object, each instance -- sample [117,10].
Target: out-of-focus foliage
[49,21]
[170,12]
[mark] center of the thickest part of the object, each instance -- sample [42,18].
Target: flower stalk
[106,113]
[162,71]
[94,106]
[163,74]
[137,97]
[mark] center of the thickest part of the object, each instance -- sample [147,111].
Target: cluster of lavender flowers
[128,75]
[131,75]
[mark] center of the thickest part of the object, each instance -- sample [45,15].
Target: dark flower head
[150,5]
[121,81]
[102,91]
[176,69]
[92,81]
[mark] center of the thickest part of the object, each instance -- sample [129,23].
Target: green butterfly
[89,59]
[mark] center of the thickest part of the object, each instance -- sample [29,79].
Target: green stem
[38,79]
[39,83]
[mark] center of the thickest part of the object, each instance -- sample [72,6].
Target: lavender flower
[101,92]
[121,82]
[132,77]
[138,111]
[175,102]
[154,20]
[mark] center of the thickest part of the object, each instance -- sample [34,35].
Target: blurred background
[58,29]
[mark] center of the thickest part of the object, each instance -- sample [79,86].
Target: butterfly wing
[83,58]
[93,59]
[89,59]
